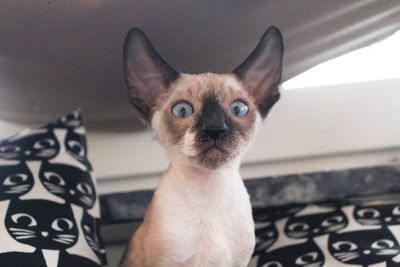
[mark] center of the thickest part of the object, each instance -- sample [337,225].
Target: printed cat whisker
[15,191]
[86,201]
[21,186]
[347,256]
[21,233]
[368,221]
[62,241]
[21,230]
[66,235]
[25,237]
[388,252]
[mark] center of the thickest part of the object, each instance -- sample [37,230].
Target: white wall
[310,129]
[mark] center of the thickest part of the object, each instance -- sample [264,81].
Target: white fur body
[197,217]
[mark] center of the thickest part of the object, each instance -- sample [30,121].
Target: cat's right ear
[147,74]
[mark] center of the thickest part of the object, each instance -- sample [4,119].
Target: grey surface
[58,55]
[272,192]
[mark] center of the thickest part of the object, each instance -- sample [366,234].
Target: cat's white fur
[188,205]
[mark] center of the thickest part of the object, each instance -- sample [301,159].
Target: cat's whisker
[21,233]
[20,229]
[86,201]
[21,186]
[52,185]
[347,256]
[368,221]
[25,237]
[297,234]
[388,252]
[15,192]
[62,241]
[66,235]
[336,227]
[262,225]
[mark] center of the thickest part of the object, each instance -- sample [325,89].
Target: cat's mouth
[214,149]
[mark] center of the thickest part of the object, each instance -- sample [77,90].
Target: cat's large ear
[261,72]
[147,74]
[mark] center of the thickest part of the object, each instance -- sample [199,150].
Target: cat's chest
[220,232]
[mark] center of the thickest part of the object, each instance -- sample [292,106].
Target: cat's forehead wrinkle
[198,85]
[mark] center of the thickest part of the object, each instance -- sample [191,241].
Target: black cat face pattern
[69,183]
[91,232]
[33,144]
[312,225]
[50,215]
[15,181]
[364,247]
[42,224]
[300,255]
[379,214]
[75,144]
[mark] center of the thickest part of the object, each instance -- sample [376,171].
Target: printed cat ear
[261,72]
[147,74]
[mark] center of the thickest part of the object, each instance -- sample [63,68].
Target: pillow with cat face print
[336,234]
[49,209]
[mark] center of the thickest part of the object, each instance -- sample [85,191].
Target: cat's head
[205,119]
[69,183]
[31,144]
[363,247]
[91,233]
[266,235]
[42,224]
[300,255]
[315,223]
[75,145]
[377,214]
[15,181]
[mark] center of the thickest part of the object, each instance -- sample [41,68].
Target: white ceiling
[58,55]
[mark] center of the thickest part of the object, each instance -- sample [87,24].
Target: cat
[384,214]
[48,227]
[15,181]
[91,232]
[32,144]
[69,183]
[306,254]
[75,145]
[363,247]
[200,214]
[315,221]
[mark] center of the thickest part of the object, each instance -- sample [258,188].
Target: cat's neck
[190,180]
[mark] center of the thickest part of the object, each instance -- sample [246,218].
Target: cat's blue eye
[15,179]
[62,224]
[238,108]
[23,219]
[54,178]
[182,109]
[382,244]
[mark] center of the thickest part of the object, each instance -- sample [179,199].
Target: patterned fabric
[49,210]
[332,235]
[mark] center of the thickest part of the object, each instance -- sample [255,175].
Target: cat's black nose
[212,121]
[214,132]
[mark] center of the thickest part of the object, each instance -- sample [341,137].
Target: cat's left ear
[147,74]
[261,72]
